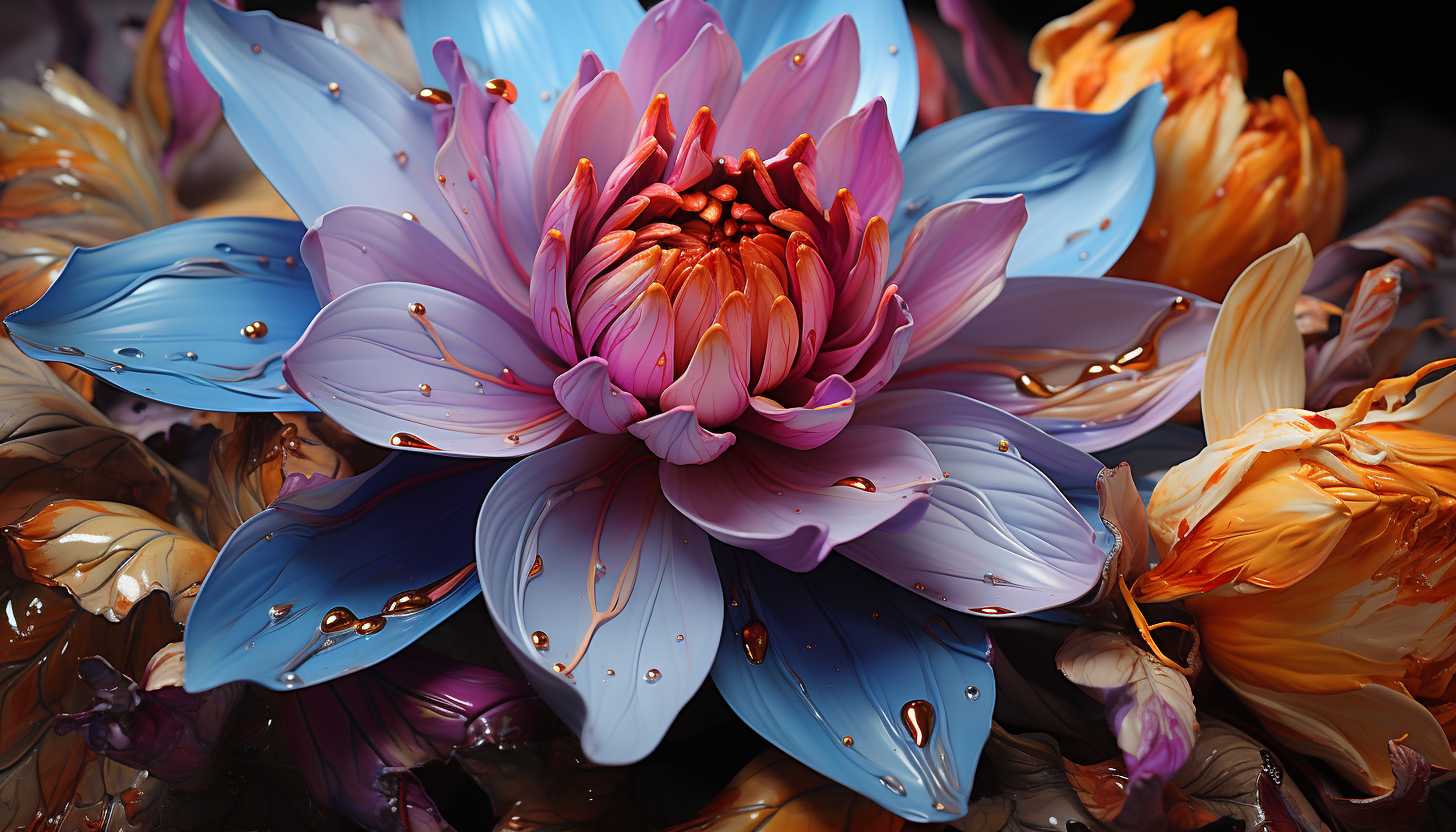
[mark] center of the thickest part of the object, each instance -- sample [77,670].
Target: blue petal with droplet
[534,44]
[167,314]
[887,64]
[1088,179]
[847,653]
[356,543]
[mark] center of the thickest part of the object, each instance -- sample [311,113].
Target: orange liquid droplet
[755,641]
[433,96]
[862,483]
[256,329]
[540,641]
[337,620]
[372,624]
[502,89]
[404,440]
[919,718]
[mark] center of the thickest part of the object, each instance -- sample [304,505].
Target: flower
[1235,178]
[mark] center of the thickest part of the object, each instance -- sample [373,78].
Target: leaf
[1230,775]
[776,794]
[45,778]
[1255,360]
[1401,808]
[196,314]
[1029,767]
[865,682]
[109,555]
[406,526]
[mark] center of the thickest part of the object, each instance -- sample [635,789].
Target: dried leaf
[1029,767]
[109,555]
[1222,778]
[777,794]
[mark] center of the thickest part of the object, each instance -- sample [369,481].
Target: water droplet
[862,483]
[182,356]
[502,89]
[559,667]
[69,351]
[440,178]
[257,49]
[363,249]
[418,309]
[1105,224]
[919,718]
[425,389]
[973,693]
[652,675]
[334,89]
[893,784]
[480,387]
[337,620]
[894,50]
[372,624]
[1003,446]
[798,59]
[679,637]
[129,352]
[755,641]
[404,440]
[411,217]
[541,641]
[277,611]
[545,95]
[611,672]
[290,679]
[919,587]
[290,261]
[874,615]
[431,95]
[256,329]
[1082,256]
[401,157]
[848,741]
[411,600]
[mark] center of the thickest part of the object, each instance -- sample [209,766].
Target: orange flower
[1235,178]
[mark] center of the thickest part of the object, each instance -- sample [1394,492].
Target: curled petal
[660,40]
[376,367]
[639,345]
[586,392]
[707,75]
[1418,232]
[677,437]
[1344,360]
[794,506]
[815,422]
[597,124]
[858,153]
[603,592]
[713,383]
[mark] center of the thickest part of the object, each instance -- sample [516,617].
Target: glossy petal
[794,506]
[707,75]
[596,124]
[815,422]
[1055,328]
[591,398]
[860,680]
[1255,353]
[1077,170]
[1344,360]
[639,346]
[676,436]
[1418,231]
[660,40]
[320,150]
[558,532]
[163,314]
[802,87]
[376,368]
[999,536]
[259,614]
[954,263]
[536,44]
[886,48]
[858,152]
[995,60]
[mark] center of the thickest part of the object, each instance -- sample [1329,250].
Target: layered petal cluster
[1235,177]
[1316,550]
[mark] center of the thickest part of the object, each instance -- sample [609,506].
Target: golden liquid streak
[453,362]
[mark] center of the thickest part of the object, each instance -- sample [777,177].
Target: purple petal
[1344,360]
[661,39]
[955,264]
[676,436]
[707,75]
[605,594]
[1418,231]
[803,87]
[586,392]
[550,311]
[819,420]
[594,120]
[998,537]
[195,107]
[995,60]
[1055,328]
[355,738]
[375,367]
[296,482]
[793,506]
[859,153]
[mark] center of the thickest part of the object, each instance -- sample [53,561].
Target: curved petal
[559,531]
[1087,177]
[886,47]
[170,314]
[707,75]
[999,536]
[676,436]
[793,506]
[595,123]
[412,366]
[535,44]
[889,694]
[858,153]
[660,40]
[815,422]
[1053,331]
[1152,454]
[262,611]
[326,128]
[804,86]
[591,398]
[955,263]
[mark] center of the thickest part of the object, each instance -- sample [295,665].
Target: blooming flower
[1235,178]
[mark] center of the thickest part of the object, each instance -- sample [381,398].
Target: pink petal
[692,159]
[854,312]
[608,250]
[610,296]
[589,396]
[707,75]
[712,382]
[676,437]
[643,165]
[638,346]
[814,296]
[783,98]
[550,312]
[793,506]
[693,312]
[845,359]
[859,153]
[883,358]
[955,264]
[594,120]
[665,35]
[780,346]
[1344,360]
[819,420]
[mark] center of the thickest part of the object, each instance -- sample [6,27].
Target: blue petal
[354,544]
[1079,171]
[321,151]
[535,44]
[587,522]
[846,654]
[886,49]
[163,314]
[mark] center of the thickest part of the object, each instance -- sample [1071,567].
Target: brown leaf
[1029,768]
[1222,777]
[249,463]
[1401,808]
[48,780]
[777,794]
[29,264]
[110,556]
